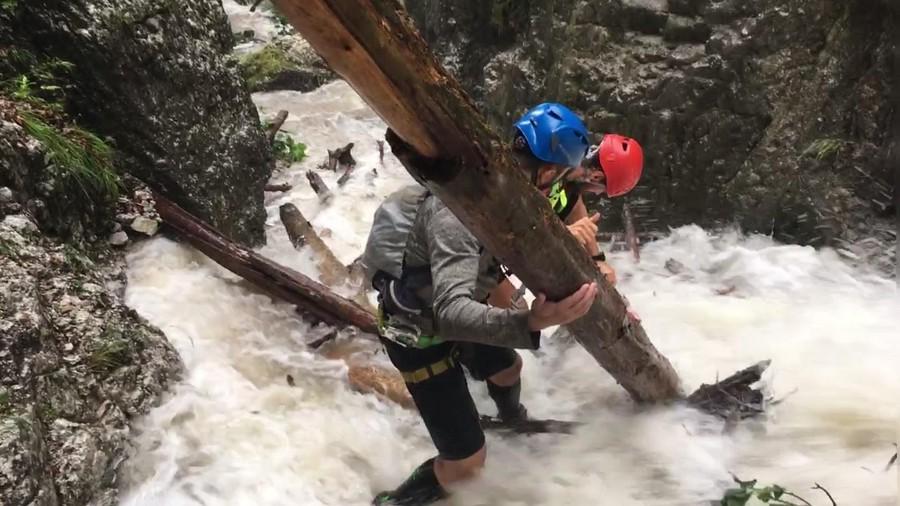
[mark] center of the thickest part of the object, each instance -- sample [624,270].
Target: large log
[278,280]
[441,138]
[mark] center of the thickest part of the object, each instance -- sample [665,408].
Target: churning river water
[234,432]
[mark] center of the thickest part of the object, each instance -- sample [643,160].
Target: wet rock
[118,239]
[732,100]
[145,226]
[75,366]
[159,80]
[6,195]
[685,30]
[287,63]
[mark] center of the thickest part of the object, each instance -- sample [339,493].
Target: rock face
[156,77]
[75,366]
[770,113]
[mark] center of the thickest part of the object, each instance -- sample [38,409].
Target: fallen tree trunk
[442,140]
[278,280]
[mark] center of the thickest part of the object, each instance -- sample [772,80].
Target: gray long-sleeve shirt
[463,275]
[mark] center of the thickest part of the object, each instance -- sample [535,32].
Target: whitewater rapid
[234,432]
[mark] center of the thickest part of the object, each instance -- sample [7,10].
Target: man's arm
[455,257]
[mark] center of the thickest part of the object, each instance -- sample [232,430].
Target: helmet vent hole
[553,114]
[624,146]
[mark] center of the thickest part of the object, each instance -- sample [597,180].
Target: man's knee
[509,376]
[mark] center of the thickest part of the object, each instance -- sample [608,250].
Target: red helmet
[622,161]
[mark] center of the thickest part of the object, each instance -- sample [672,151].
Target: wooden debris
[339,158]
[281,187]
[345,176]
[276,125]
[318,186]
[279,281]
[331,271]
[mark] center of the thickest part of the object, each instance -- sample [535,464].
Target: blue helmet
[555,134]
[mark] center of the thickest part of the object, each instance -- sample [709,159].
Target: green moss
[4,401]
[76,259]
[261,66]
[82,158]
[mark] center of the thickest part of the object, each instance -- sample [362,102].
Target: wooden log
[276,125]
[318,186]
[345,176]
[331,271]
[273,278]
[442,140]
[301,233]
[282,187]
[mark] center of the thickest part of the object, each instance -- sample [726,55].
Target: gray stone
[160,81]
[731,99]
[119,238]
[145,226]
[6,195]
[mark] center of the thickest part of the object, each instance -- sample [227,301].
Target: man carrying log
[434,281]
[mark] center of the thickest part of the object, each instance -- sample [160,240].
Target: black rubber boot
[421,488]
[507,401]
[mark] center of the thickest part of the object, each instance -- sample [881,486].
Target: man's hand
[607,271]
[547,314]
[585,230]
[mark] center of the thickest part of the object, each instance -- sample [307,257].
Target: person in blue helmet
[444,304]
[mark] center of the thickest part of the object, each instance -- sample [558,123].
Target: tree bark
[443,140]
[278,280]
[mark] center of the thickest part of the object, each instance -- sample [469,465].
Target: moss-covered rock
[288,63]
[156,76]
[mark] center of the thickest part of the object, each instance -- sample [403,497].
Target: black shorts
[444,402]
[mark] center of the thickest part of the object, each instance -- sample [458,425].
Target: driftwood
[345,176]
[318,186]
[282,187]
[339,158]
[441,138]
[273,129]
[331,271]
[278,280]
[380,151]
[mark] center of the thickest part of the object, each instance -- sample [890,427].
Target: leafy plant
[773,495]
[821,149]
[287,149]
[108,353]
[80,154]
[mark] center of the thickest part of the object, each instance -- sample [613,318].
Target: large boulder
[773,114]
[156,76]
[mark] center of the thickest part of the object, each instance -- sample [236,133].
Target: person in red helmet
[613,167]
